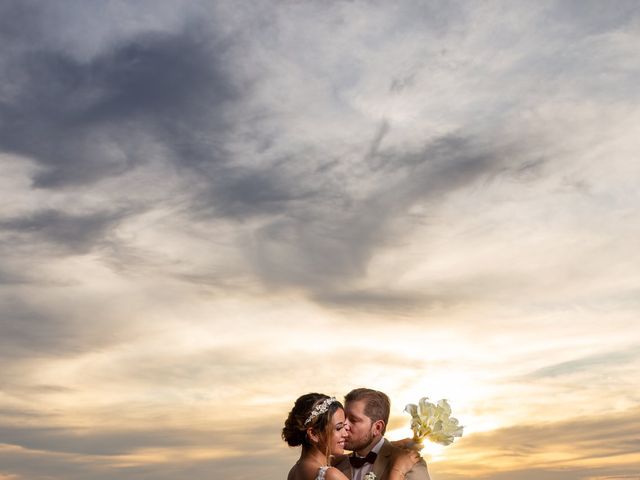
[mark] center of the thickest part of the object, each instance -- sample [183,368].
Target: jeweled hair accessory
[319,409]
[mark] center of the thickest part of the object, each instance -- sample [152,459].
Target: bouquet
[433,422]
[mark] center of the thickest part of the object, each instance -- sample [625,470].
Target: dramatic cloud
[210,208]
[77,233]
[577,449]
[85,120]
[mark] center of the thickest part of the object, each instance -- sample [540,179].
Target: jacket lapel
[344,466]
[382,462]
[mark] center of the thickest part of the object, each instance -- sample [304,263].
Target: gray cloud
[384,300]
[617,434]
[35,324]
[292,146]
[560,473]
[153,96]
[326,247]
[587,363]
[590,17]
[240,193]
[82,120]
[578,439]
[74,233]
[93,441]
[26,465]
[94,452]
[9,276]
[224,366]
[19,22]
[33,328]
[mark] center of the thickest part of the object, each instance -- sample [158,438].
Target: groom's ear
[378,427]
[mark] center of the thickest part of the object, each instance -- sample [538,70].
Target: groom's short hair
[376,404]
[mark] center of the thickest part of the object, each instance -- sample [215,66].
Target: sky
[210,208]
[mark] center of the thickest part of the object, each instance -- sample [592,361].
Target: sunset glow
[211,208]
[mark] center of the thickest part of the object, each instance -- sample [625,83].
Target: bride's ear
[312,436]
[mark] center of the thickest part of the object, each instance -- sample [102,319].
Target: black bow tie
[358,462]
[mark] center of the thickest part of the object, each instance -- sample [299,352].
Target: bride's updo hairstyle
[313,410]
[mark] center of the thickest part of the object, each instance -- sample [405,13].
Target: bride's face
[338,433]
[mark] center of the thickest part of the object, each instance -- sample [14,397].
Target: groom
[367,413]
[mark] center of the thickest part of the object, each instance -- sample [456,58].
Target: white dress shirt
[359,473]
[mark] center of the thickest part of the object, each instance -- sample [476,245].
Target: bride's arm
[402,462]
[395,474]
[334,474]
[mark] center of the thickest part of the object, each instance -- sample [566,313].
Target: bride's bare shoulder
[292,473]
[296,473]
[303,471]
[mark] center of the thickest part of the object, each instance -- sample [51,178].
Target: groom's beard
[361,444]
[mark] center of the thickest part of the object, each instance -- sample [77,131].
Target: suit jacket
[382,465]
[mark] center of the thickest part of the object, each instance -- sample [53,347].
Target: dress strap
[321,472]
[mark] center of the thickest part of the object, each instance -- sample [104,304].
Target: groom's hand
[407,444]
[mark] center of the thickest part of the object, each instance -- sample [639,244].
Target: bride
[317,423]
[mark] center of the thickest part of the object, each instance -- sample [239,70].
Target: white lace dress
[321,472]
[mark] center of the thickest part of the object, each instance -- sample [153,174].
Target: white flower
[369,476]
[433,422]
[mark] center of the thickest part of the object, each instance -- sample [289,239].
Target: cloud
[9,276]
[36,328]
[589,18]
[74,233]
[239,193]
[578,448]
[179,99]
[26,330]
[325,246]
[83,120]
[85,442]
[38,466]
[35,452]
[584,437]
[588,363]
[383,300]
[205,202]
[126,99]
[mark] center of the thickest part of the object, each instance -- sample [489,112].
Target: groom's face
[361,432]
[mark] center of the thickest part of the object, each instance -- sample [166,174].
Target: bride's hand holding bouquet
[432,422]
